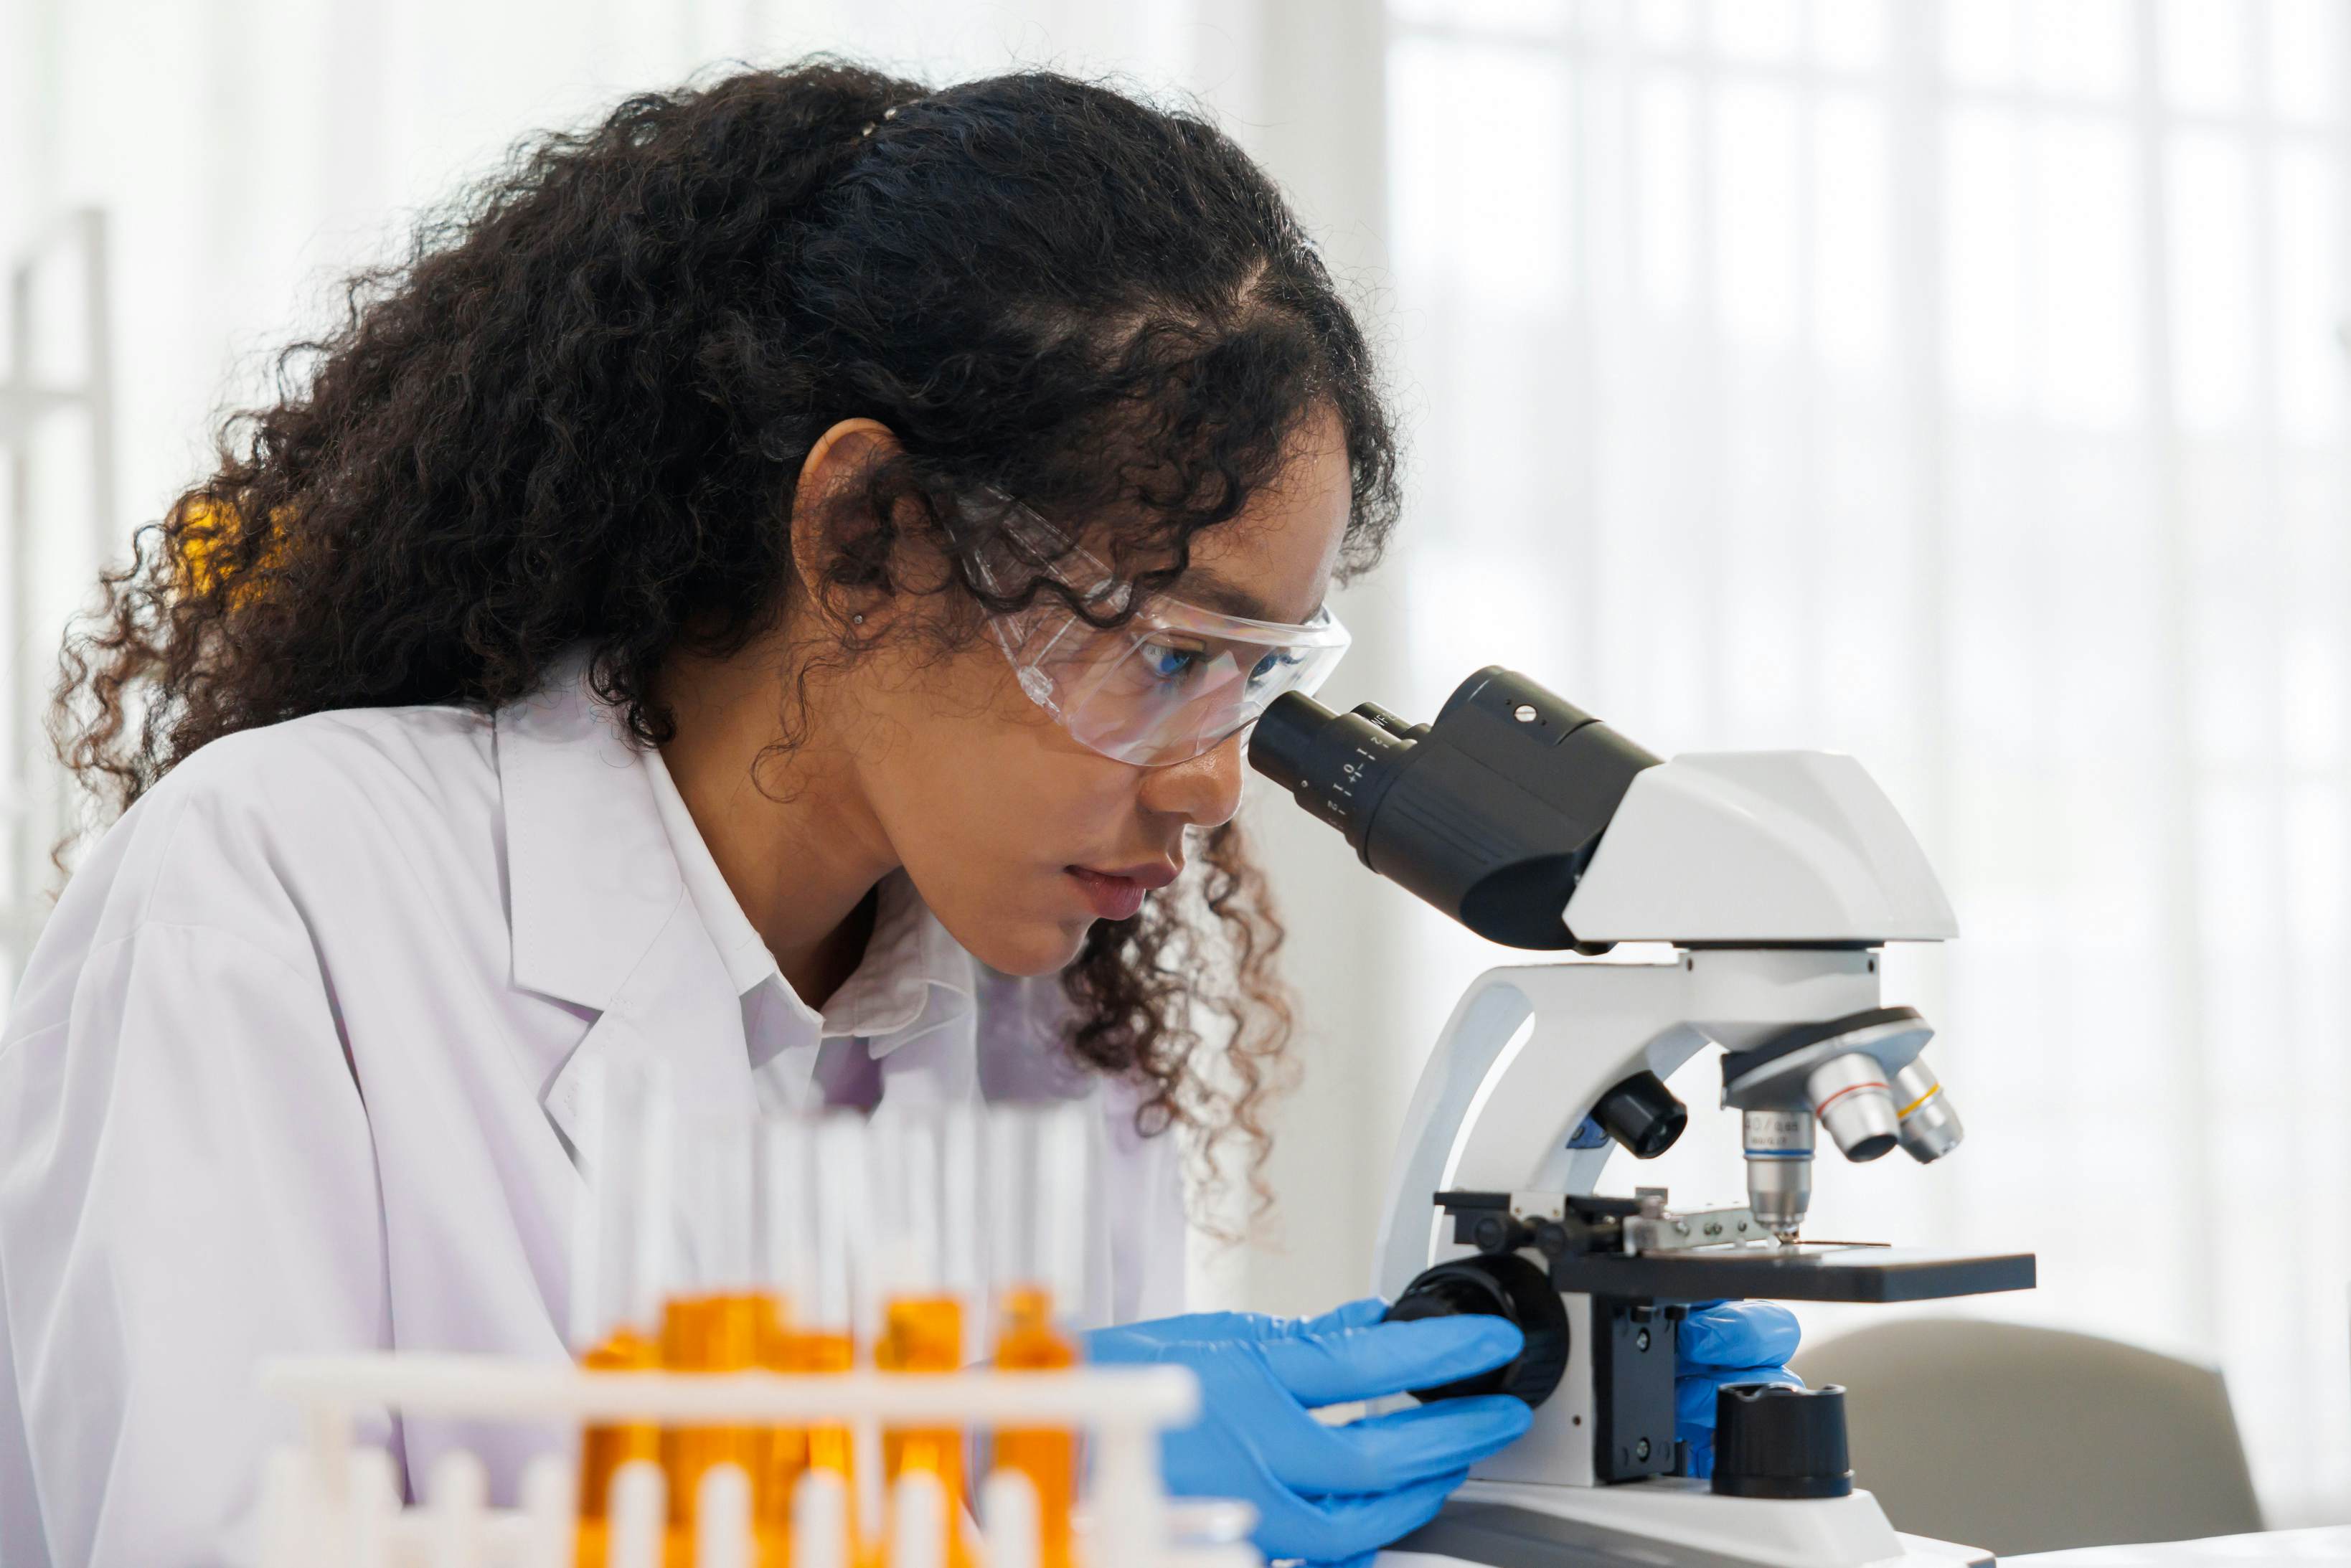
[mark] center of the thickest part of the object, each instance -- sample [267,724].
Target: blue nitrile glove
[1323,1493]
[1726,1342]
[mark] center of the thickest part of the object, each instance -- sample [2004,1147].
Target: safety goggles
[1165,686]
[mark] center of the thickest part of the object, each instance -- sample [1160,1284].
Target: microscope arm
[1487,1117]
[1451,1124]
[1484,1022]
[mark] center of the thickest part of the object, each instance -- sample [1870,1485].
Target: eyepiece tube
[1931,1127]
[1337,765]
[1489,813]
[1285,733]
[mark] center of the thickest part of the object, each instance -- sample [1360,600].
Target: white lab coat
[295,1067]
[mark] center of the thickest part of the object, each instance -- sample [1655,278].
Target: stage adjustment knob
[1503,1285]
[1642,1115]
[1775,1441]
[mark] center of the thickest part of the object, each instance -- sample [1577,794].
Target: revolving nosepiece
[1779,1146]
[1931,1127]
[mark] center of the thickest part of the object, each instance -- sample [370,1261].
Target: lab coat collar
[912,973]
[598,911]
[915,978]
[602,916]
[740,946]
[590,877]
[912,1005]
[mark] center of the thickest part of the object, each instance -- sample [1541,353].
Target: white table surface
[2330,1545]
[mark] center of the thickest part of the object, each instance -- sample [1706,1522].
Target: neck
[801,854]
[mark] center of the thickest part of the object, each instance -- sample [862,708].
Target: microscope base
[1663,1523]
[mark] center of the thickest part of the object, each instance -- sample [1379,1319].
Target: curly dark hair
[577,412]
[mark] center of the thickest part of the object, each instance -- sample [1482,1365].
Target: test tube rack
[330,1502]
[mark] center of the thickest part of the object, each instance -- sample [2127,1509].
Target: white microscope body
[1777,877]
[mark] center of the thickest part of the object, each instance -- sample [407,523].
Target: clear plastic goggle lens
[1157,695]
[1174,683]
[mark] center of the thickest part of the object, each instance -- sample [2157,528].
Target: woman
[778,580]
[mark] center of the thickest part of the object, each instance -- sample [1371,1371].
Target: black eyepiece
[1337,765]
[1285,732]
[1491,813]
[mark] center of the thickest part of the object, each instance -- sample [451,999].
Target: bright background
[1960,385]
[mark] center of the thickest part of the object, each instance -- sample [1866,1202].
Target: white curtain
[247,152]
[1961,386]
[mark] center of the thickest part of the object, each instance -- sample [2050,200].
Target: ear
[835,466]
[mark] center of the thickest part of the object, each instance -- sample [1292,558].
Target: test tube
[720,1317]
[926,1178]
[621,1259]
[1037,1192]
[811,1187]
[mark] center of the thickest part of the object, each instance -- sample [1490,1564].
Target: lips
[1119,894]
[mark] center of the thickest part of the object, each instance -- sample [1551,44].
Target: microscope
[1777,878]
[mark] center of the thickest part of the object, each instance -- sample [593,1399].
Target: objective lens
[1850,1096]
[1930,1128]
[1779,1168]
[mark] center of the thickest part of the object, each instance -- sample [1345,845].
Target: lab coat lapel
[676,1006]
[598,912]
[590,878]
[916,1011]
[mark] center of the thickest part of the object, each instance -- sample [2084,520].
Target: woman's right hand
[1326,1493]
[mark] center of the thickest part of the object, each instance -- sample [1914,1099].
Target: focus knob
[1642,1115]
[1781,1442]
[1503,1285]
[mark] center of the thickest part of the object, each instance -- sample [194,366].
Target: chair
[2029,1439]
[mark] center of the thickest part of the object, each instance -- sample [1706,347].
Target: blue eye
[1272,665]
[1168,662]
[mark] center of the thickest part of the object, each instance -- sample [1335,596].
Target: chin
[1026,948]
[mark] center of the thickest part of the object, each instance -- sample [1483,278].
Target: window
[1961,387]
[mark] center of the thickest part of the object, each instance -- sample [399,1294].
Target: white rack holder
[328,1502]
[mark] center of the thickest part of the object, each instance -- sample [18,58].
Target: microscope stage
[1808,1272]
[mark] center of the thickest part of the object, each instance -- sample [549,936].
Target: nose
[1205,791]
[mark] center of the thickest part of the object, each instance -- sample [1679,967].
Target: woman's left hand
[1723,1342]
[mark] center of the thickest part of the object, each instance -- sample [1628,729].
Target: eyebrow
[1210,591]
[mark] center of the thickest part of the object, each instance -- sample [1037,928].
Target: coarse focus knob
[1771,1440]
[1503,1285]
